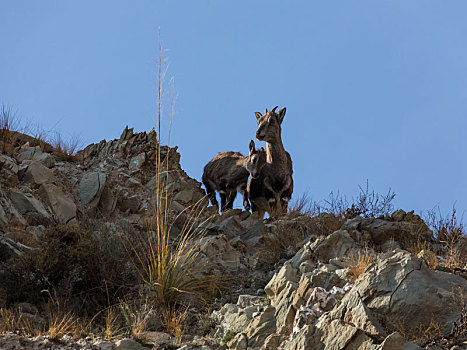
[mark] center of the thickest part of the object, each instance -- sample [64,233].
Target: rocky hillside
[322,281]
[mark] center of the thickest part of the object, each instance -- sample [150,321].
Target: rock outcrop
[291,286]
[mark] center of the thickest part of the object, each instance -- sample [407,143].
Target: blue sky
[374,89]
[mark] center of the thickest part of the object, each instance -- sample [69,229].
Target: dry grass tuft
[360,261]
[137,317]
[9,321]
[112,327]
[8,124]
[66,149]
[303,205]
[175,321]
[171,268]
[61,324]
[16,321]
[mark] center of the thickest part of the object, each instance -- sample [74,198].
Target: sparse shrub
[421,334]
[206,324]
[360,261]
[303,205]
[449,230]
[337,209]
[71,263]
[285,239]
[367,204]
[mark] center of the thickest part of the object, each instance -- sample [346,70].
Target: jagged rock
[254,235]
[218,254]
[128,203]
[272,342]
[137,162]
[353,311]
[337,244]
[27,153]
[382,230]
[235,317]
[91,187]
[63,207]
[410,295]
[239,342]
[329,334]
[37,174]
[8,171]
[28,205]
[246,300]
[258,330]
[286,274]
[319,277]
[45,159]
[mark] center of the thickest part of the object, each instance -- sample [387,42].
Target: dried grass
[360,261]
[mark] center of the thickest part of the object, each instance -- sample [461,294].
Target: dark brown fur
[227,173]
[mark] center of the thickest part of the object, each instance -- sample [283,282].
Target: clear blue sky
[374,90]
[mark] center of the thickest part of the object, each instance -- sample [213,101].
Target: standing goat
[228,174]
[272,190]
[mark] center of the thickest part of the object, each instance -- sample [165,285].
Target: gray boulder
[410,229]
[63,207]
[401,288]
[90,188]
[28,205]
[37,174]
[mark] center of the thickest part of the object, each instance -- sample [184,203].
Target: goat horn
[266,111]
[274,109]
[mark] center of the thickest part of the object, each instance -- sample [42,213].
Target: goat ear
[258,115]
[281,115]
[252,147]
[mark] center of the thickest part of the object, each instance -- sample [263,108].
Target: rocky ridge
[296,291]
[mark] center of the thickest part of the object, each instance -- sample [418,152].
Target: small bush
[206,324]
[85,269]
[367,204]
[447,229]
